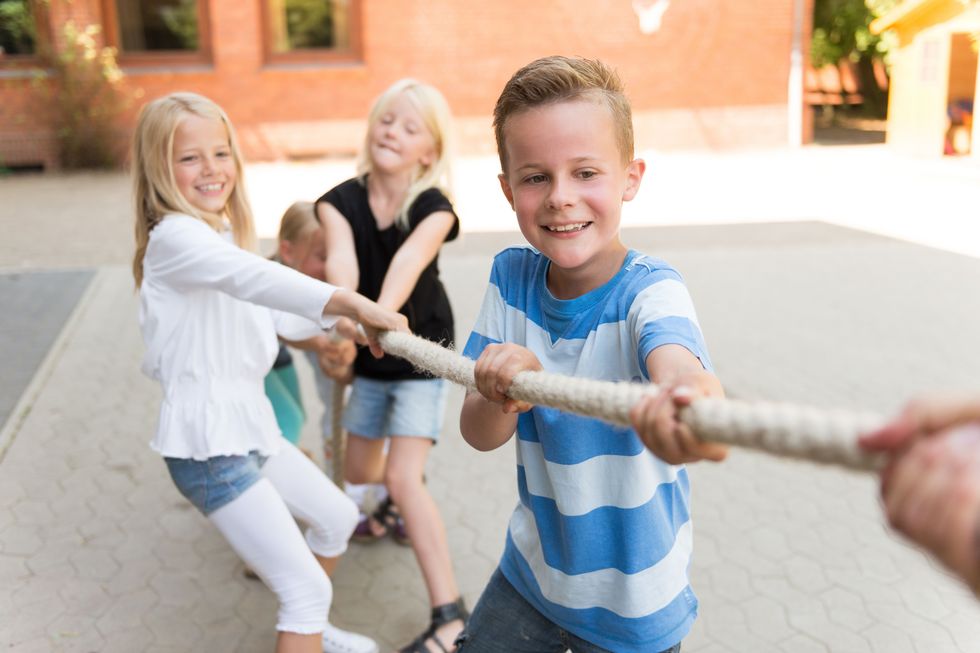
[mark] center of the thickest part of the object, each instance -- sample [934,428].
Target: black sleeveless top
[427,309]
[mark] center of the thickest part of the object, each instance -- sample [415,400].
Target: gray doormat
[33,309]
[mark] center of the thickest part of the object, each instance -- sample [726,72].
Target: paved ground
[98,552]
[33,310]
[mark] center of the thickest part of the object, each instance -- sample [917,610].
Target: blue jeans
[215,482]
[379,409]
[503,622]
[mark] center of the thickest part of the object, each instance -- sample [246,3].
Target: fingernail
[682,391]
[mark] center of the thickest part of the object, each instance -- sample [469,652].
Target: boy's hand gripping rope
[781,429]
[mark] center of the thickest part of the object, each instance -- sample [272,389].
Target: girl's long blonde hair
[434,109]
[154,187]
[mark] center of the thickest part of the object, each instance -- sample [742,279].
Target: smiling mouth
[566,228]
[210,188]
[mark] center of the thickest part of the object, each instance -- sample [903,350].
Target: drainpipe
[794,95]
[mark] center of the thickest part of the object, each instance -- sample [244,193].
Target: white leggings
[261,528]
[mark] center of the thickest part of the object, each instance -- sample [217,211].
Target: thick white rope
[781,429]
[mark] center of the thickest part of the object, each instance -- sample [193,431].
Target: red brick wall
[714,75]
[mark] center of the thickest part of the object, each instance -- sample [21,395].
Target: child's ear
[634,175]
[285,251]
[504,186]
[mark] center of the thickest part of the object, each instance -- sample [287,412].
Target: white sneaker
[336,640]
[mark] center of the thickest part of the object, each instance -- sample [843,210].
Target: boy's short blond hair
[562,79]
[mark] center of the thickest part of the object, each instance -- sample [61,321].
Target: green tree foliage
[82,88]
[16,28]
[841,31]
[181,20]
[309,23]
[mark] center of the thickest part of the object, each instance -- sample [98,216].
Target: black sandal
[441,615]
[390,517]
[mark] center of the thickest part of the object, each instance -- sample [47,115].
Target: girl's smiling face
[204,166]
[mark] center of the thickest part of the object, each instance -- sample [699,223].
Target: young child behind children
[931,485]
[301,246]
[384,230]
[210,310]
[598,548]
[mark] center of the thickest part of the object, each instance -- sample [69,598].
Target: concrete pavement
[98,552]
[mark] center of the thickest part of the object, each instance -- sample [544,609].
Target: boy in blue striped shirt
[599,545]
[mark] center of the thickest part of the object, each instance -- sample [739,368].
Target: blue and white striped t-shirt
[600,542]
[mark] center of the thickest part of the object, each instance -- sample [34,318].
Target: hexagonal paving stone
[94,564]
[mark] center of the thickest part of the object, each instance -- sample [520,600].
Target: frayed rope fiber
[788,430]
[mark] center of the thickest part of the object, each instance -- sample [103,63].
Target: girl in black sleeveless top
[384,229]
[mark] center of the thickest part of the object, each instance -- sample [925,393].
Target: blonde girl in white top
[210,311]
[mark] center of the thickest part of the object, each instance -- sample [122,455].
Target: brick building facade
[715,74]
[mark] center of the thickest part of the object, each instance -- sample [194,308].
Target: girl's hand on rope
[495,371]
[656,419]
[931,492]
[374,319]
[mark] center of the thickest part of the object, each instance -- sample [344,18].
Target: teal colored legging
[282,388]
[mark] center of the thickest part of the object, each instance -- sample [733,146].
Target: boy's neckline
[613,271]
[560,316]
[583,301]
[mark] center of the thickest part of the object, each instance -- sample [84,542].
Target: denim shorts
[504,622]
[378,409]
[215,482]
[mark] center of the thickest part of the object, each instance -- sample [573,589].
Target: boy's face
[566,180]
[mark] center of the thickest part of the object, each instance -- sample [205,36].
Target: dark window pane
[148,25]
[17,31]
[309,24]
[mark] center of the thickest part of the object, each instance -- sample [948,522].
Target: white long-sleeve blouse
[209,313]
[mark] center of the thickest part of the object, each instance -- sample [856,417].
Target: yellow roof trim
[898,14]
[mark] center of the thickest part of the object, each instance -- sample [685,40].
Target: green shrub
[85,99]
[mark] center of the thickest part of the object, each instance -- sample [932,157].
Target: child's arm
[489,416]
[373,317]
[186,254]
[333,355]
[682,379]
[931,494]
[341,268]
[315,343]
[931,484]
[922,417]
[414,255]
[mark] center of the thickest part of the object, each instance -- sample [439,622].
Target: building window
[18,29]
[157,28]
[312,29]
